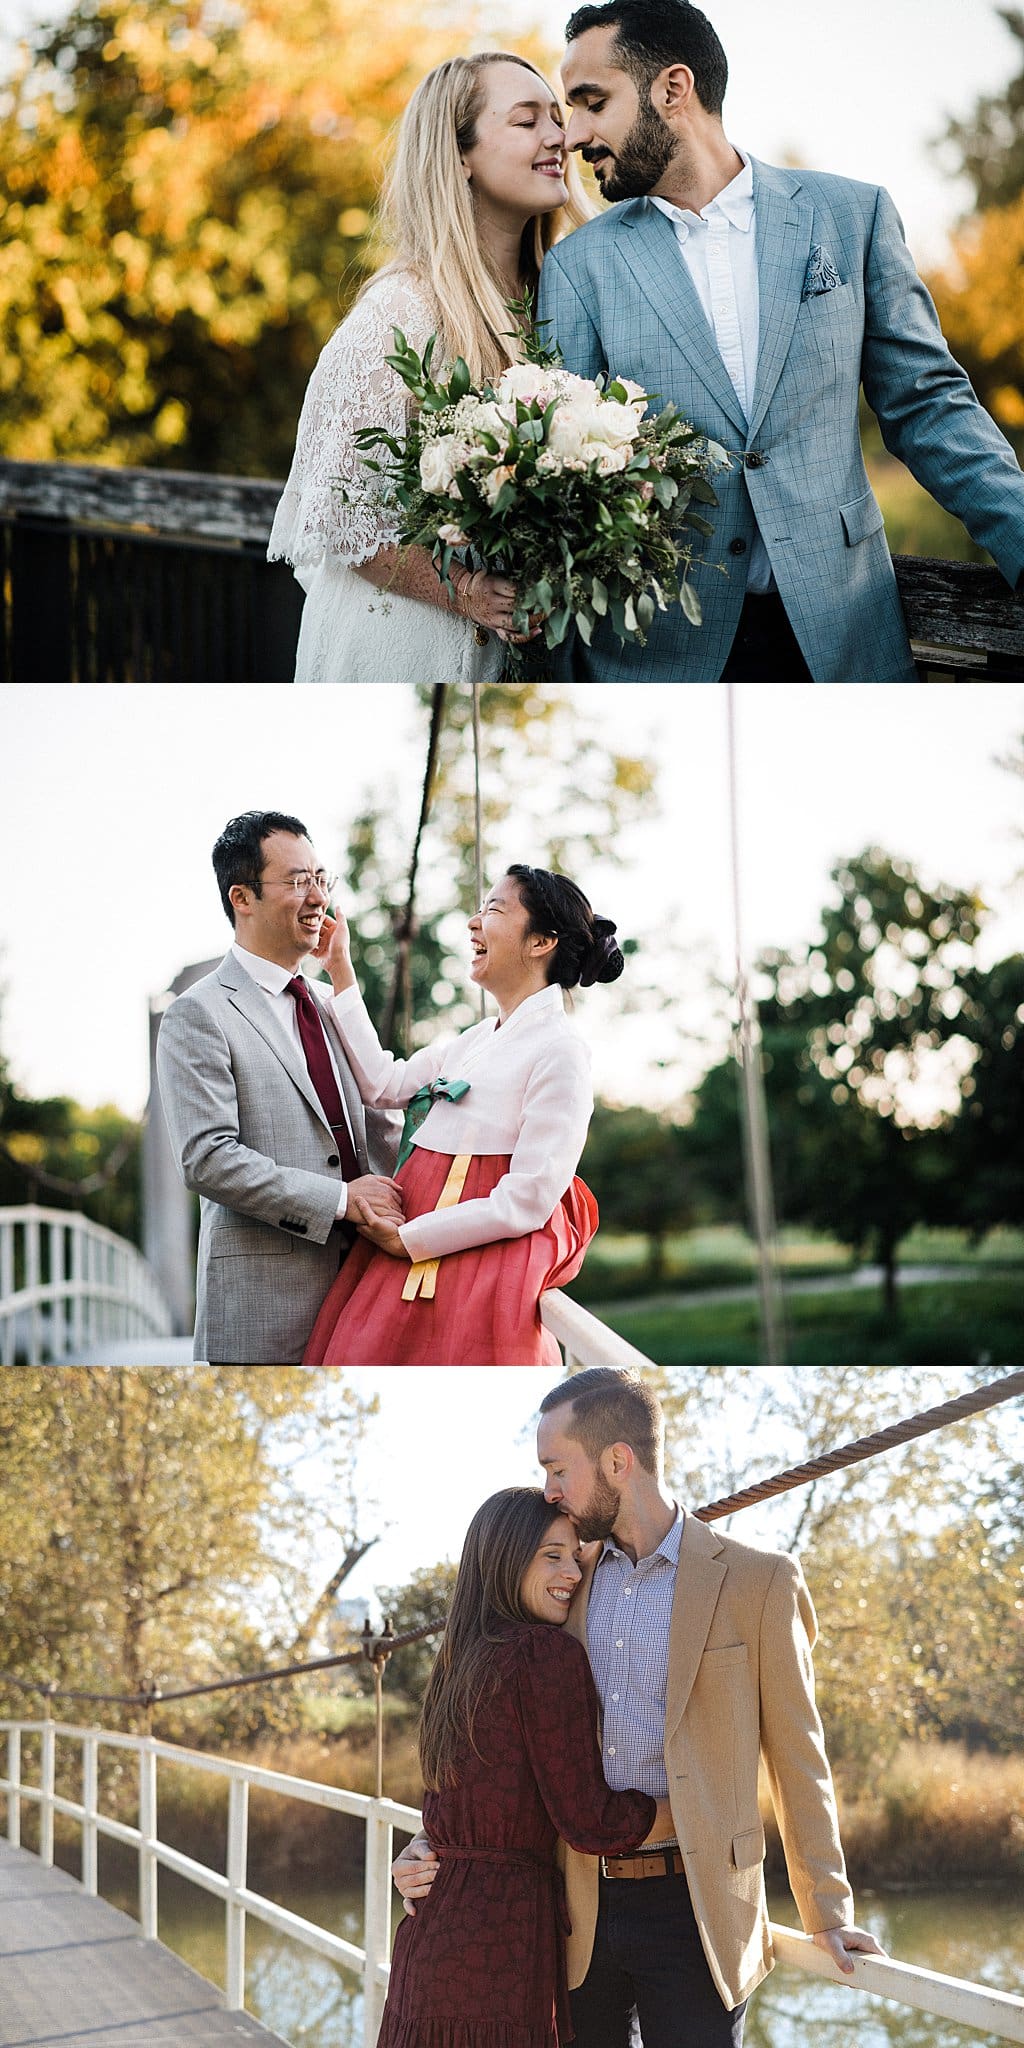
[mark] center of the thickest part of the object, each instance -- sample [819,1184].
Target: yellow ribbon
[422,1278]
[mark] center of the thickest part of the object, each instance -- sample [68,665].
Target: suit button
[738,546]
[334,1160]
[754,459]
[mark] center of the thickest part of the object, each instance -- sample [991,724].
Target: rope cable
[405,922]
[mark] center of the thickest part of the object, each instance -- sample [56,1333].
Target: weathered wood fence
[143,575]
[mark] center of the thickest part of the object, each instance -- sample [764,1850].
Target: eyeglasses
[303,882]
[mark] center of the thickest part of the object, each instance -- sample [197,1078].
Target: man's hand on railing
[414,1871]
[841,1942]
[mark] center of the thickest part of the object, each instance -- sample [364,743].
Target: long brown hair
[503,1537]
[428,219]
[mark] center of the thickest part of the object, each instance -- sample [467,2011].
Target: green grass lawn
[724,1256]
[939,1323]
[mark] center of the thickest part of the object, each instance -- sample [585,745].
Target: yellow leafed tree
[187,209]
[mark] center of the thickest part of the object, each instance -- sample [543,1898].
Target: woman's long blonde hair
[428,219]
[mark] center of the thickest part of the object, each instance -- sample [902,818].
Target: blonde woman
[481,187]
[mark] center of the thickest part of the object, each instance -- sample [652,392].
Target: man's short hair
[652,34]
[611,1406]
[238,855]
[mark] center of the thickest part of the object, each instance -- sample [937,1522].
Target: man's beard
[601,1513]
[644,158]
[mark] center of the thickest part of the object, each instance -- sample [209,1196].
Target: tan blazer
[739,1685]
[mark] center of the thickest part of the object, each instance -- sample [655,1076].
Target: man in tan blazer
[701,1652]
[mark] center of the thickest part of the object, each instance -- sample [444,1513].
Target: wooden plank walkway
[76,1973]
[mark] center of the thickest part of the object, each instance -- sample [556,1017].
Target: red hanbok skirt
[485,1309]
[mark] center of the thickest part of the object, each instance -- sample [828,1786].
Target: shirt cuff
[341,1211]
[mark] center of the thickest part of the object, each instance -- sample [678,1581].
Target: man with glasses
[264,1113]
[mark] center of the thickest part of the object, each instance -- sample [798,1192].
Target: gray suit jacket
[841,305]
[252,1140]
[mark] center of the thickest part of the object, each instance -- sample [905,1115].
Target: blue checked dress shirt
[627,1639]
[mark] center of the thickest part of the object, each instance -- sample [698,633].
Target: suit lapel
[246,995]
[647,241]
[784,221]
[698,1584]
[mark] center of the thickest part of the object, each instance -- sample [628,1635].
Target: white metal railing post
[47,1772]
[78,1287]
[9,1332]
[14,1787]
[148,1913]
[377,1919]
[90,1781]
[32,1269]
[238,1857]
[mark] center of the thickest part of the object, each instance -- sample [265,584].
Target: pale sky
[860,90]
[114,796]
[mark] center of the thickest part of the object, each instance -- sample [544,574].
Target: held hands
[837,1942]
[375,1203]
[414,1871]
[384,1234]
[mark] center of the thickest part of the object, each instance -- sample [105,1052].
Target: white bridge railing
[66,1283]
[973,2005]
[585,1340]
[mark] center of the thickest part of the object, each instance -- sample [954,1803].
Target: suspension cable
[405,923]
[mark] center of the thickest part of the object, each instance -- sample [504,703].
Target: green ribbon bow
[424,1100]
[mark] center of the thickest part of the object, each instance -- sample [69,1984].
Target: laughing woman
[496,1121]
[510,1758]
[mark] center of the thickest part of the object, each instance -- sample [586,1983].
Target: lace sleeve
[333,504]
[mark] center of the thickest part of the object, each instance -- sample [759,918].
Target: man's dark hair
[238,855]
[651,34]
[611,1406]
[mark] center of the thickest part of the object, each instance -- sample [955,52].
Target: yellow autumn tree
[187,208]
[978,292]
[981,306]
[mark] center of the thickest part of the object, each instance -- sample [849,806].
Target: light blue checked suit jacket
[620,300]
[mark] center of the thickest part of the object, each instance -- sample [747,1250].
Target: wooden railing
[998,2013]
[66,1283]
[145,575]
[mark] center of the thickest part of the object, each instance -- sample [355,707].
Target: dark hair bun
[602,960]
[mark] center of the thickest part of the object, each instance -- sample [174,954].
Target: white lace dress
[352,632]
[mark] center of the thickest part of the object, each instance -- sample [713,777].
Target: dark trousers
[648,1954]
[765,650]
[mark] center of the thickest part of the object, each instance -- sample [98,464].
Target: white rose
[440,460]
[528,381]
[493,481]
[591,428]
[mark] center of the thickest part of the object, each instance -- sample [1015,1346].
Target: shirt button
[615,1695]
[629,1590]
[619,1644]
[611,1749]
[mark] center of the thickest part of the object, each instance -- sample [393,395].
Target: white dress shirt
[719,249]
[530,1095]
[273,980]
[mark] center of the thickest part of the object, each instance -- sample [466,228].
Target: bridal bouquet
[559,482]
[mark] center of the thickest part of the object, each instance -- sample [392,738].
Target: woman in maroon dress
[510,1759]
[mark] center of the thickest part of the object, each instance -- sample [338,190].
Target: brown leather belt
[646,1863]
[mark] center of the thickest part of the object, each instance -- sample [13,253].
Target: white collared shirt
[719,249]
[273,980]
[530,1096]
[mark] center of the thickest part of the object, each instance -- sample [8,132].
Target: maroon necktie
[321,1073]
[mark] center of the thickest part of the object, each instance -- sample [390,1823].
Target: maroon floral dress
[482,1964]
